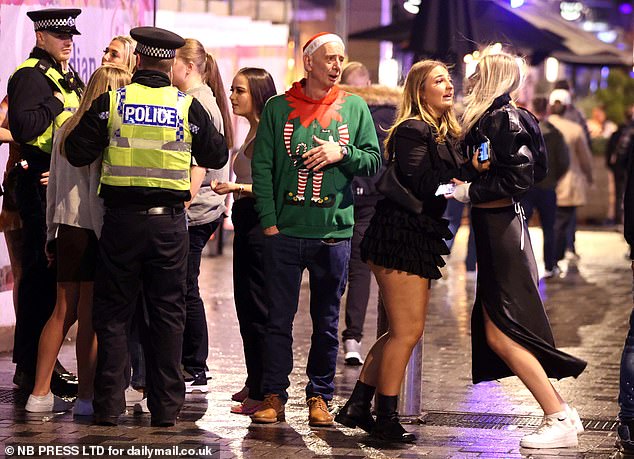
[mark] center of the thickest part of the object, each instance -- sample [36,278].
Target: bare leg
[405,297]
[64,315]
[86,345]
[370,371]
[525,366]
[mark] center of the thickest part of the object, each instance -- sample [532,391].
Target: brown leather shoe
[318,414]
[271,411]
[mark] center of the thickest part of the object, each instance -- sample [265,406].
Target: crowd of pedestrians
[120,183]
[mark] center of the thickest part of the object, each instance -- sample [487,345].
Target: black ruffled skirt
[507,288]
[397,239]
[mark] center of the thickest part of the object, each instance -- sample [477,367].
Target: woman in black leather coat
[404,248]
[511,334]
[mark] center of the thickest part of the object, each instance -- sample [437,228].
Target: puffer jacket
[383,102]
[518,153]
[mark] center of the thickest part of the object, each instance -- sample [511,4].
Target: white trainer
[83,407]
[553,274]
[576,420]
[196,383]
[140,407]
[48,403]
[352,352]
[132,396]
[556,431]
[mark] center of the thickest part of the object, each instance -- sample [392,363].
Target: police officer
[43,92]
[148,132]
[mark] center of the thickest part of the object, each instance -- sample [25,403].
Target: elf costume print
[298,201]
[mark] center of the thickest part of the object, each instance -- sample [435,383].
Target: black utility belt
[150,211]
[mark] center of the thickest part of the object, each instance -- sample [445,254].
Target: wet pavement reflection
[588,307]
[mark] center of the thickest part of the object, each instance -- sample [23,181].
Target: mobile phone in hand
[483,151]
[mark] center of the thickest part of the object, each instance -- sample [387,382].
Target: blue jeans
[545,201]
[195,337]
[327,264]
[626,383]
[565,228]
[249,289]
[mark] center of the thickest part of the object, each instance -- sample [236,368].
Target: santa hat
[316,41]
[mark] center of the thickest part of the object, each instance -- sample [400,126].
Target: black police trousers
[37,289]
[141,253]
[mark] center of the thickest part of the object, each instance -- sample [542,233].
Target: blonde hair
[206,65]
[496,74]
[106,78]
[353,67]
[129,45]
[414,107]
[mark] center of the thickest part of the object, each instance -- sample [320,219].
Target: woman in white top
[250,90]
[74,218]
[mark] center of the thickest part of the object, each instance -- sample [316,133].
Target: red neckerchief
[306,109]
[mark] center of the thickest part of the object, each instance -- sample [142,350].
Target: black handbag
[390,186]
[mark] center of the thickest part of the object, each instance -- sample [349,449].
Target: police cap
[59,20]
[157,43]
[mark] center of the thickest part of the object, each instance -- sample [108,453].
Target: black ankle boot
[357,410]
[387,427]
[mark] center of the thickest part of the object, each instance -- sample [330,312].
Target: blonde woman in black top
[404,249]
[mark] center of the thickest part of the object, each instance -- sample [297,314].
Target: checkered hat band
[152,51]
[49,23]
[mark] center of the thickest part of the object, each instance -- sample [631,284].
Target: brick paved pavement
[588,310]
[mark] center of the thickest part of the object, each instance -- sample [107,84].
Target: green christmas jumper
[300,202]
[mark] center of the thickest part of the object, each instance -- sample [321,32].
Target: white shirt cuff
[461,193]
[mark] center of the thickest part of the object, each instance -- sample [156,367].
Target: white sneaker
[352,352]
[574,417]
[554,273]
[83,407]
[555,431]
[140,407]
[132,396]
[197,383]
[48,403]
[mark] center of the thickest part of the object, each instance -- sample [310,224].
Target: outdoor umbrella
[580,47]
[449,29]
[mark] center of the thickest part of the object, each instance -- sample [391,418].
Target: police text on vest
[150,115]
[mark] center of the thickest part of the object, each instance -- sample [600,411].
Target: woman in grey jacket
[196,73]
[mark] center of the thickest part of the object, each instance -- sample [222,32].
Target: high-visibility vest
[71,101]
[150,138]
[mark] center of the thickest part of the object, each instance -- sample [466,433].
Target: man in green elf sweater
[310,143]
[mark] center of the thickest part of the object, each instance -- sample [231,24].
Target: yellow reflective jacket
[71,101]
[150,138]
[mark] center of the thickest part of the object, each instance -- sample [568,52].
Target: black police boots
[387,427]
[357,410]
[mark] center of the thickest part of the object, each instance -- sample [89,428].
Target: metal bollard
[410,396]
[409,400]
